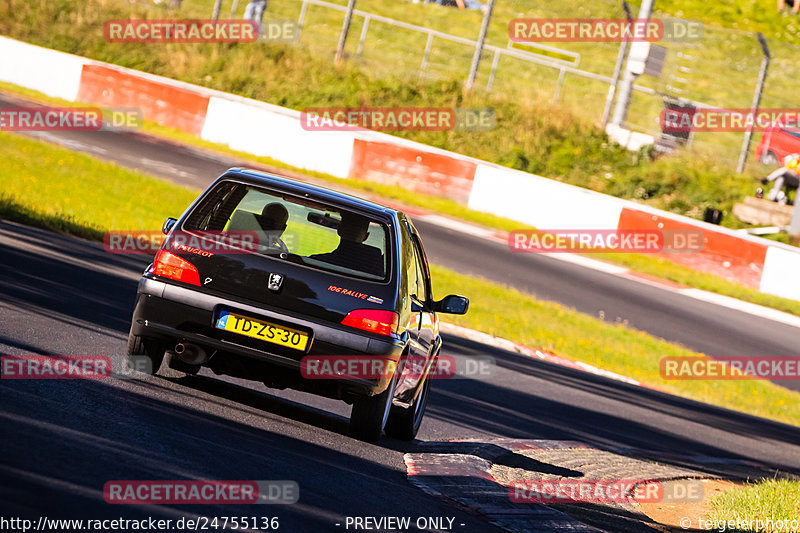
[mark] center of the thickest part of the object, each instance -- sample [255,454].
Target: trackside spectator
[794,4]
[255,11]
[785,177]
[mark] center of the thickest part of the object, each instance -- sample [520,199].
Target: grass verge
[72,192]
[58,189]
[560,141]
[759,506]
[613,347]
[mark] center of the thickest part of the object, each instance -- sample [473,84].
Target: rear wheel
[144,355]
[175,363]
[370,414]
[404,422]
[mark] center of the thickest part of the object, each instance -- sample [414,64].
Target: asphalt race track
[64,439]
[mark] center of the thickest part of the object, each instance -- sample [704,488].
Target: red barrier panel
[724,255]
[410,168]
[168,105]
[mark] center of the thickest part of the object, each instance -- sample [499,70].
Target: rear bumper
[174,313]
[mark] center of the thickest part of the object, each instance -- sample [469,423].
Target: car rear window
[300,230]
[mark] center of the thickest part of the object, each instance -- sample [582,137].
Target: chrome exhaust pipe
[190,353]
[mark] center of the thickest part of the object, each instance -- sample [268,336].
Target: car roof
[273,180]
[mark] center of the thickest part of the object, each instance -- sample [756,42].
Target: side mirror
[168,225]
[452,305]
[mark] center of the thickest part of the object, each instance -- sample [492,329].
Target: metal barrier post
[300,19]
[476,59]
[494,70]
[217,9]
[794,225]
[612,89]
[363,36]
[559,84]
[762,77]
[629,78]
[348,17]
[426,54]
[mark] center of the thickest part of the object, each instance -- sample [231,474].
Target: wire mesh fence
[432,42]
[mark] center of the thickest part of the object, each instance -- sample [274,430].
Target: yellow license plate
[265,331]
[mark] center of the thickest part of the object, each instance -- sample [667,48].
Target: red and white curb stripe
[460,471]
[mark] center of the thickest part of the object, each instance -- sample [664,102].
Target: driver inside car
[273,220]
[352,253]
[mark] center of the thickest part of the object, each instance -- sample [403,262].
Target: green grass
[68,191]
[510,314]
[75,193]
[769,500]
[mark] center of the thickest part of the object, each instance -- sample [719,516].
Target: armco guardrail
[267,130]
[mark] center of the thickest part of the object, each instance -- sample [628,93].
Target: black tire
[769,158]
[404,423]
[144,355]
[175,363]
[370,413]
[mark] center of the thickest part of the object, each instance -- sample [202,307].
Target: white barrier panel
[47,71]
[541,202]
[261,131]
[780,274]
[632,140]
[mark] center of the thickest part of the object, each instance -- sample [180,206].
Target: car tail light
[373,320]
[173,267]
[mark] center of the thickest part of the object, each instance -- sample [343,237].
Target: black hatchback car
[270,279]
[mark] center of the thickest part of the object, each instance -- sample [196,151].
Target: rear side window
[422,286]
[793,133]
[296,229]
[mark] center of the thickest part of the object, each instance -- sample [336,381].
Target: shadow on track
[62,441]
